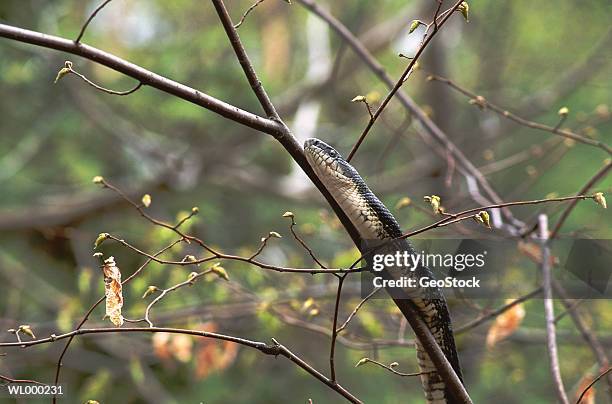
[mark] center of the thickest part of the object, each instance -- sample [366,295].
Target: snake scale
[373,221]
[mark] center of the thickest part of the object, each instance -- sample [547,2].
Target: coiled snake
[374,222]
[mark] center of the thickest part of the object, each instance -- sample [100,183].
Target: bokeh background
[530,57]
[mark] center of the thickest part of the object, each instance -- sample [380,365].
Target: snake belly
[373,221]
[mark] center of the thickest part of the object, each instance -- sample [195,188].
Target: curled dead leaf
[113,291]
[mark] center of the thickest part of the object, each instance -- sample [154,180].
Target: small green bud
[189,258]
[220,271]
[98,180]
[63,71]
[146,200]
[26,329]
[414,25]
[484,218]
[150,290]
[434,201]
[361,362]
[464,8]
[600,199]
[101,238]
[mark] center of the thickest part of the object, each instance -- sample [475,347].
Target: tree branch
[244,60]
[145,76]
[483,103]
[274,349]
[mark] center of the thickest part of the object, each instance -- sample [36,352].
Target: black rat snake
[374,222]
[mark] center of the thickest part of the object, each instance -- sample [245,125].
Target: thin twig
[258,2]
[568,309]
[391,368]
[356,309]
[221,256]
[214,253]
[11,380]
[302,242]
[91,17]
[68,68]
[189,282]
[488,316]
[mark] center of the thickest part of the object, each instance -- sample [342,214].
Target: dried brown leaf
[113,291]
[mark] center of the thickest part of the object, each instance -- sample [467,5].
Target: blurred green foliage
[55,138]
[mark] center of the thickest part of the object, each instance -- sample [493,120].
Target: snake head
[329,164]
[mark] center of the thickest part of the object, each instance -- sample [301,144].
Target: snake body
[373,221]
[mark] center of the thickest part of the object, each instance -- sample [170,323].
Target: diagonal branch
[244,60]
[143,75]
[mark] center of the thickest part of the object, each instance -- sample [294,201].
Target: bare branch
[483,103]
[453,217]
[587,334]
[144,76]
[273,349]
